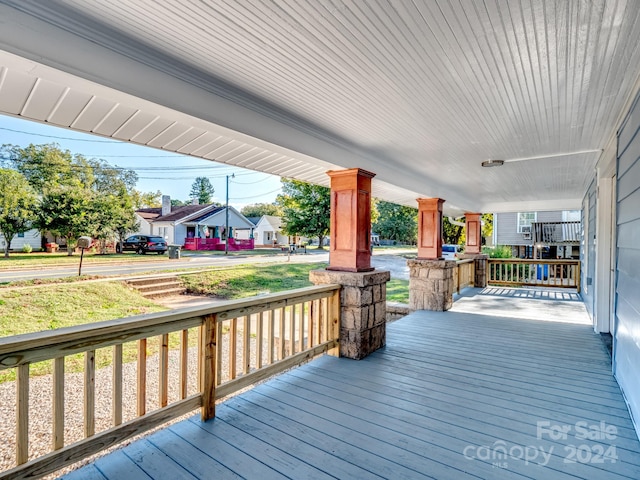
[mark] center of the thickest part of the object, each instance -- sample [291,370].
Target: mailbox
[84,242]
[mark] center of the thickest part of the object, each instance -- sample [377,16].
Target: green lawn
[55,305]
[31,260]
[249,280]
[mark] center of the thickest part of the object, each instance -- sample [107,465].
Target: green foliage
[452,234]
[397,222]
[260,209]
[78,196]
[202,190]
[146,199]
[27,248]
[17,204]
[398,290]
[306,209]
[499,251]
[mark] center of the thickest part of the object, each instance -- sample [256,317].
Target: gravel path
[40,402]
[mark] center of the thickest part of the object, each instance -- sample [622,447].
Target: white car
[450,252]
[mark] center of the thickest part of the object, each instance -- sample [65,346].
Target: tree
[146,199]
[17,204]
[397,222]
[68,211]
[202,190]
[306,209]
[452,234]
[260,209]
[42,165]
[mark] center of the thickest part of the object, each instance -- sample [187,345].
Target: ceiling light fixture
[492,163]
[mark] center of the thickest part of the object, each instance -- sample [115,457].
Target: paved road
[381,261]
[191,262]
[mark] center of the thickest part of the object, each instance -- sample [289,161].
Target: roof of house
[275,222]
[254,220]
[176,214]
[206,215]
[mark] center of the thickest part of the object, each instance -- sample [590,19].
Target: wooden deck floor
[453,395]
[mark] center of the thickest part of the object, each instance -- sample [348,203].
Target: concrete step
[163,293]
[155,287]
[136,282]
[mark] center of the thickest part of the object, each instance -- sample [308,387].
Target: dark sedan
[142,244]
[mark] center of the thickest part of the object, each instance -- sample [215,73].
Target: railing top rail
[461,262]
[177,319]
[537,261]
[573,222]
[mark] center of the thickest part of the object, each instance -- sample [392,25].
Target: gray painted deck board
[446,384]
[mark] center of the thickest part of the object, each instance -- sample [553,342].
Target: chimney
[195,201]
[166,205]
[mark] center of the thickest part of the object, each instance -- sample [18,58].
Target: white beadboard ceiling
[419,92]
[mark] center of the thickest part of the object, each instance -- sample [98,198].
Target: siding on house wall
[627,329]
[507,232]
[588,248]
[32,237]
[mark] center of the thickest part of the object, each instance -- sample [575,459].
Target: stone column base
[481,265]
[431,284]
[363,300]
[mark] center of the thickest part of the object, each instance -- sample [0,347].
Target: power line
[256,196]
[61,138]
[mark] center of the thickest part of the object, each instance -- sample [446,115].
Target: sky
[172,174]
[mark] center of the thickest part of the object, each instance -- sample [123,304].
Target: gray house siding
[588,248]
[507,230]
[627,328]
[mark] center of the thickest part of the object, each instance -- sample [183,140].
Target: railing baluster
[270,335]
[116,391]
[22,414]
[301,329]
[184,361]
[233,340]
[281,344]
[163,371]
[58,403]
[89,393]
[141,402]
[292,330]
[259,339]
[246,345]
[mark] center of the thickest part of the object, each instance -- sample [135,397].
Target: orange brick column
[430,228]
[350,245]
[473,231]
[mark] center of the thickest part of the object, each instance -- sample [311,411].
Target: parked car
[142,244]
[450,252]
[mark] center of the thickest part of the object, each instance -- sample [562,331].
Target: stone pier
[431,284]
[362,309]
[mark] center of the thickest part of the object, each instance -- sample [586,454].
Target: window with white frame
[525,219]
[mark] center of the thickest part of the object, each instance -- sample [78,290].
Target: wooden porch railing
[549,273]
[262,336]
[464,274]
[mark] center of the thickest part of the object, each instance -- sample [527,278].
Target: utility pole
[226,228]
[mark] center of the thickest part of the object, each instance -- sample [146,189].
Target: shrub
[26,248]
[499,251]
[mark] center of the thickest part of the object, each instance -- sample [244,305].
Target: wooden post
[208,367]
[350,236]
[430,228]
[473,230]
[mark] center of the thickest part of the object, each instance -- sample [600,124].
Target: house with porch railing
[457,108]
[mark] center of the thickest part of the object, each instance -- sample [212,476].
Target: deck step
[155,287]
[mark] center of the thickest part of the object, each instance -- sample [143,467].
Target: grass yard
[35,259]
[250,280]
[398,291]
[57,305]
